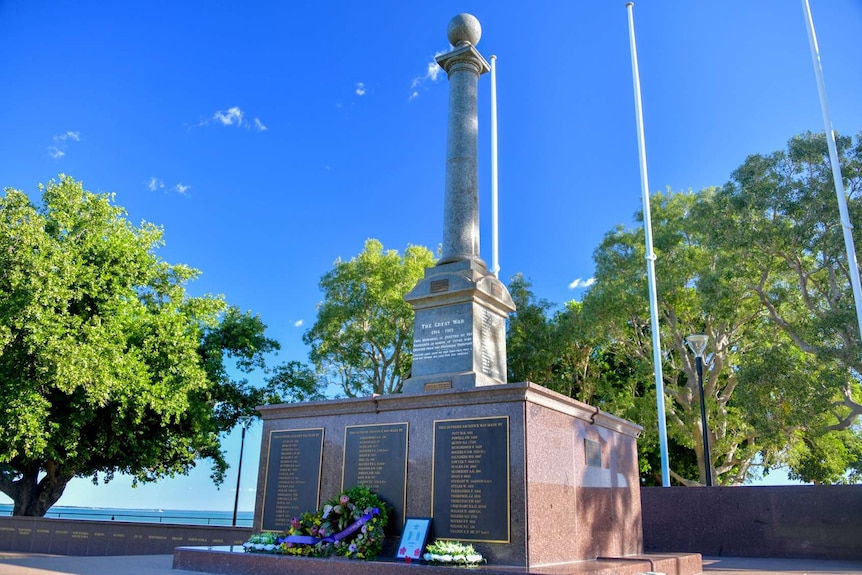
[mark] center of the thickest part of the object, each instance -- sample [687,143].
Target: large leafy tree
[695,295]
[362,339]
[781,225]
[107,365]
[759,266]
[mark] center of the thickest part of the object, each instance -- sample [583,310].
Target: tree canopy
[362,339]
[757,265]
[106,364]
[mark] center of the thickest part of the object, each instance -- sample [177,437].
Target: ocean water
[174,516]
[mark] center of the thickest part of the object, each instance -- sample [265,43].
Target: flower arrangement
[452,552]
[350,525]
[266,541]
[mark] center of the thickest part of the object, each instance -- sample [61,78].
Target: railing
[152,517]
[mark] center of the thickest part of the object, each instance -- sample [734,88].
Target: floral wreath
[350,525]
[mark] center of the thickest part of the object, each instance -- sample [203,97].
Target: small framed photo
[413,538]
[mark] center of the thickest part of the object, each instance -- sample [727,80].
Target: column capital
[467,54]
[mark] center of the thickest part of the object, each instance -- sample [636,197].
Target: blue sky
[270,138]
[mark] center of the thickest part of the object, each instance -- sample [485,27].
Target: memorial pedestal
[526,475]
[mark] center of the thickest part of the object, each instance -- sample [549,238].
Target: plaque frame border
[508,475]
[322,431]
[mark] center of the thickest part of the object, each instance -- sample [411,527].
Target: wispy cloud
[233,116]
[581,283]
[155,184]
[298,323]
[61,143]
[432,73]
[360,88]
[69,135]
[55,152]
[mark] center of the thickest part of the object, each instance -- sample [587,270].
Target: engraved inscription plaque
[593,453]
[376,456]
[292,476]
[449,339]
[470,493]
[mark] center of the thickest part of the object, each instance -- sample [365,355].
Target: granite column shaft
[461,203]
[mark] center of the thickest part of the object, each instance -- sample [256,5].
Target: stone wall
[93,538]
[816,522]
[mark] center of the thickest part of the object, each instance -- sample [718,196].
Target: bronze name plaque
[376,456]
[292,476]
[593,453]
[470,494]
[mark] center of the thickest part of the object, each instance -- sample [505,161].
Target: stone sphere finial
[464,29]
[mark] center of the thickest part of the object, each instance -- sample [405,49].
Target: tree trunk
[32,496]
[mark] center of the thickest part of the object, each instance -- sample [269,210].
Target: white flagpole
[650,257]
[495,237]
[852,264]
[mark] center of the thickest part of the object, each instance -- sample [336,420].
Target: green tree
[290,382]
[695,295]
[782,227]
[558,350]
[106,364]
[784,204]
[362,339]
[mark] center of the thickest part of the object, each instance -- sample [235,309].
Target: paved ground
[29,564]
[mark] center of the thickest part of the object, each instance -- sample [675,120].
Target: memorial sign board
[470,492]
[292,476]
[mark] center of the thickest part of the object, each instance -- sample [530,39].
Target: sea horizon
[144,515]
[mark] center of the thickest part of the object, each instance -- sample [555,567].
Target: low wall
[93,538]
[803,522]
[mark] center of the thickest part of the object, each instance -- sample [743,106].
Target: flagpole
[650,257]
[852,264]
[495,237]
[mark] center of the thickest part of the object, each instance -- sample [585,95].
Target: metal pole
[238,473]
[707,461]
[495,253]
[852,264]
[650,257]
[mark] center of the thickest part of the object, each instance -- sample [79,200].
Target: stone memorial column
[459,335]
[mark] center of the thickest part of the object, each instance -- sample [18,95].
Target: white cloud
[432,73]
[233,117]
[579,283]
[55,152]
[61,140]
[181,188]
[298,323]
[360,88]
[69,135]
[155,184]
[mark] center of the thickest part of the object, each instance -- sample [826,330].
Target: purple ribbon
[309,540]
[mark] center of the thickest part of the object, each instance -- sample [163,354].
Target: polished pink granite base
[562,510]
[224,561]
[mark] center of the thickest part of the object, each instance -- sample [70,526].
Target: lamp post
[245,423]
[697,343]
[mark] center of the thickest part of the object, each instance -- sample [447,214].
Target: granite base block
[233,561]
[568,489]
